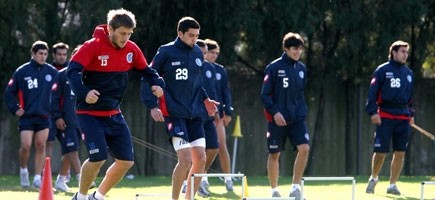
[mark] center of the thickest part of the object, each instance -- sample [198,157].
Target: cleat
[61,186]
[75,196]
[229,185]
[37,183]
[393,190]
[205,186]
[184,188]
[276,194]
[371,186]
[202,190]
[24,180]
[296,194]
[92,196]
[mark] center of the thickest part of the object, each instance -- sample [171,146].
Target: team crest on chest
[129,57]
[198,62]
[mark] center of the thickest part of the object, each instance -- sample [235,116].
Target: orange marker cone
[46,190]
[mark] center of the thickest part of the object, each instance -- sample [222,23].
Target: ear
[109,29]
[179,33]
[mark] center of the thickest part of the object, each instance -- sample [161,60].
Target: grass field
[159,188]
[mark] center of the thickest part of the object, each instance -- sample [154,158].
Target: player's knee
[303,149]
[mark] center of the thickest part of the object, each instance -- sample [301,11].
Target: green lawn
[159,188]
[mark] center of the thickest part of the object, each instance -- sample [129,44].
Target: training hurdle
[344,178]
[214,175]
[422,187]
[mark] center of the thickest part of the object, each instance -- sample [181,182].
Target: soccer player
[223,95]
[389,104]
[182,105]
[31,84]
[285,107]
[98,74]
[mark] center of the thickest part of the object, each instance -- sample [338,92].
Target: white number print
[285,82]
[32,83]
[103,62]
[181,74]
[395,83]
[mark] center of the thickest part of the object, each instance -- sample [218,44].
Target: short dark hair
[36,46]
[396,46]
[59,45]
[201,43]
[292,40]
[211,44]
[187,22]
[121,17]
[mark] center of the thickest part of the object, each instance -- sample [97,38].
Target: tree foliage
[345,39]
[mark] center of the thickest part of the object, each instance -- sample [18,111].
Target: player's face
[204,51]
[189,37]
[61,56]
[401,55]
[40,56]
[120,36]
[293,52]
[212,55]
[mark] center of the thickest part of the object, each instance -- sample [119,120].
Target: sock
[81,196]
[391,186]
[376,179]
[24,170]
[185,182]
[227,179]
[295,187]
[204,178]
[61,178]
[78,177]
[37,177]
[98,195]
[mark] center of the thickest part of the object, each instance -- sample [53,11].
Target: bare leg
[396,166]
[377,162]
[211,155]
[300,163]
[113,175]
[273,169]
[74,161]
[89,172]
[180,171]
[224,156]
[24,151]
[40,141]
[49,148]
[198,164]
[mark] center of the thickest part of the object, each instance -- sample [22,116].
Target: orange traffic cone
[46,191]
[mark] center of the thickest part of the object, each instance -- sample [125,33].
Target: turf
[159,188]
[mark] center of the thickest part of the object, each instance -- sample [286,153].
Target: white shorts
[179,143]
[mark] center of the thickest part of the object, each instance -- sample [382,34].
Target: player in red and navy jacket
[389,104]
[31,84]
[283,99]
[98,74]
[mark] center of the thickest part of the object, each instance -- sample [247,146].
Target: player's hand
[226,119]
[60,124]
[92,97]
[157,90]
[210,106]
[20,112]
[279,119]
[376,119]
[157,115]
[411,122]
